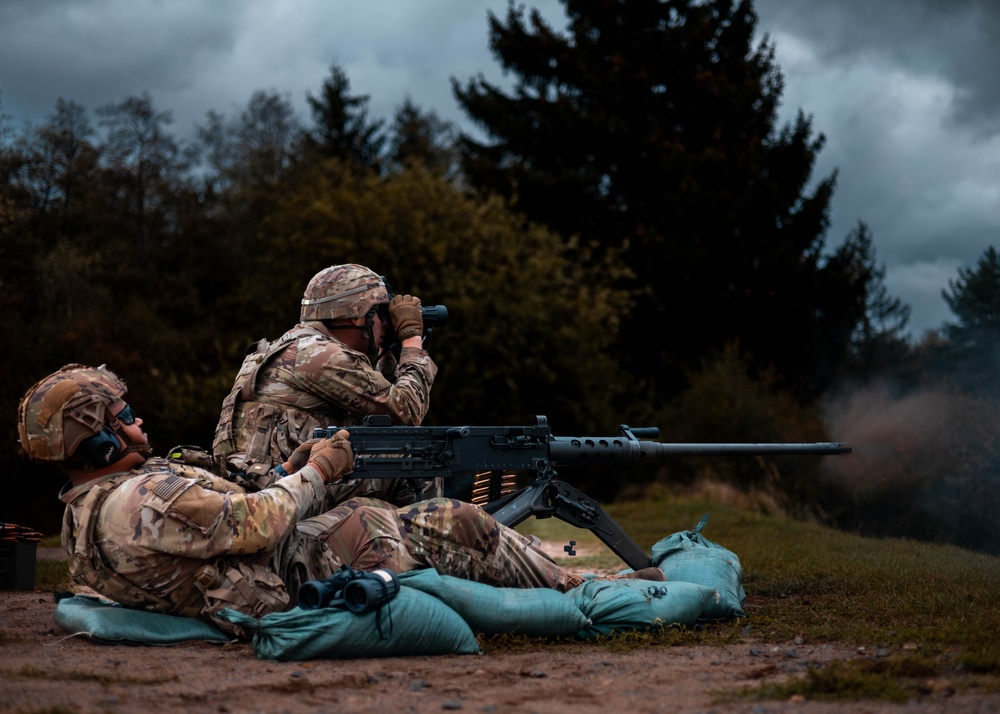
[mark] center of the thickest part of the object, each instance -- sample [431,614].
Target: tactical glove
[300,456]
[407,319]
[333,457]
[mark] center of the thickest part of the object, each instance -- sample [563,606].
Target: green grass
[932,609]
[51,575]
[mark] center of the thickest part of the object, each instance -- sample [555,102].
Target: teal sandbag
[691,557]
[623,605]
[535,612]
[110,623]
[413,622]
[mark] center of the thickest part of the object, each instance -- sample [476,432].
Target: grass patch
[51,575]
[842,680]
[931,609]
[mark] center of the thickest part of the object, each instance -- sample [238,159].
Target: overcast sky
[906,92]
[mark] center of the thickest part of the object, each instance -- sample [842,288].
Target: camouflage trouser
[453,537]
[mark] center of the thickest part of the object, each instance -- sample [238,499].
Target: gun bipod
[545,498]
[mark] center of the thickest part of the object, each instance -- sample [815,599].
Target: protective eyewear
[126,416]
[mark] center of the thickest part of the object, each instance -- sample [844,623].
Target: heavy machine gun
[382,450]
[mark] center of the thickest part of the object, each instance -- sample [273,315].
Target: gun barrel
[568,450]
[824,448]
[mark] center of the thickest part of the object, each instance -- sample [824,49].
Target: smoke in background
[926,465]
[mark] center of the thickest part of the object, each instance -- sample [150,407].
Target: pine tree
[863,314]
[652,125]
[342,129]
[423,139]
[974,298]
[972,348]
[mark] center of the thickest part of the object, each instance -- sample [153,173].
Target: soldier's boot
[573,580]
[650,573]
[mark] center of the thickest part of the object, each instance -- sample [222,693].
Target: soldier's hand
[407,319]
[299,457]
[333,457]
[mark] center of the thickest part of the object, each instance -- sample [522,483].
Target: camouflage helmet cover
[63,409]
[343,291]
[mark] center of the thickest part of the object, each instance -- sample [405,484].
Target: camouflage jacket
[172,538]
[306,379]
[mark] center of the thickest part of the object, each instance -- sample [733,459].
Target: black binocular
[433,315]
[355,590]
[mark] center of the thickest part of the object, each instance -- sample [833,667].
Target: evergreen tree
[972,347]
[864,315]
[974,298]
[652,126]
[342,129]
[423,139]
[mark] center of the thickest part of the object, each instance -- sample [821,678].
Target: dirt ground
[45,669]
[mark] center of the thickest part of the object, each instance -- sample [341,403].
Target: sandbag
[535,612]
[689,556]
[413,622]
[622,605]
[110,623]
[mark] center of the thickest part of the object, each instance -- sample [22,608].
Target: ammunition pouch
[251,589]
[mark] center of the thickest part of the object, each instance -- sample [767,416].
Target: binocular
[355,590]
[433,315]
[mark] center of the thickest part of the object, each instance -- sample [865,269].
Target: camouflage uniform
[309,378]
[177,539]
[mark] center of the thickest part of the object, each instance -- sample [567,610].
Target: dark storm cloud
[193,56]
[905,93]
[956,40]
[100,51]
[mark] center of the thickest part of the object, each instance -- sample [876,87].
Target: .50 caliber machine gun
[424,452]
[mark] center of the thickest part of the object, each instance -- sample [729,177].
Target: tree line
[635,241]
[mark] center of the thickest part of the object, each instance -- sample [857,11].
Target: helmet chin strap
[365,329]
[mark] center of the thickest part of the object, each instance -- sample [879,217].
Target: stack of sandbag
[439,614]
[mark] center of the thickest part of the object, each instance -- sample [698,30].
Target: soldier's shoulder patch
[163,488]
[170,487]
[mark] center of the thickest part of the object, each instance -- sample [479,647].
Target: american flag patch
[169,486]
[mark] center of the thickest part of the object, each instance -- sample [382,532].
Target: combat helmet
[65,409]
[343,291]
